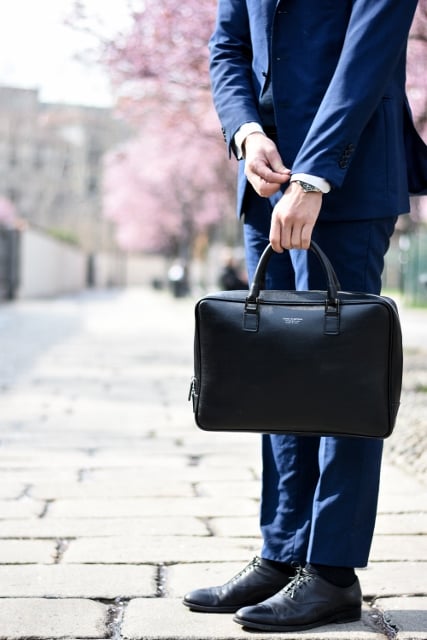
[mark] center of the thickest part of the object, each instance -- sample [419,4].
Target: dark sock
[338,576]
[284,567]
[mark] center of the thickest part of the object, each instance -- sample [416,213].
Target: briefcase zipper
[193,393]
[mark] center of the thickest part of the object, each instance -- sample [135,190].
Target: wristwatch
[306,187]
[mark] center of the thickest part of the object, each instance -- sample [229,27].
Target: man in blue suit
[311,95]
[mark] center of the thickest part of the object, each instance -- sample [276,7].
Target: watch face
[306,187]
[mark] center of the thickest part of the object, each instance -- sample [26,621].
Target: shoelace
[255,562]
[302,577]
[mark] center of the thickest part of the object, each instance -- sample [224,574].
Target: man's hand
[264,167]
[294,217]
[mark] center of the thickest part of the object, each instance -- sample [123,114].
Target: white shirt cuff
[315,181]
[241,135]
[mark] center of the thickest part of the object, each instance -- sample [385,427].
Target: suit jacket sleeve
[232,78]
[374,44]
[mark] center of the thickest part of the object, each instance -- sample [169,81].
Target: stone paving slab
[25,508]
[393,578]
[77,581]
[414,502]
[102,527]
[231,457]
[247,489]
[51,619]
[131,507]
[103,441]
[395,481]
[167,549]
[389,548]
[168,619]
[155,487]
[27,551]
[34,475]
[232,527]
[11,490]
[395,523]
[75,459]
[46,460]
[191,473]
[99,420]
[408,615]
[176,458]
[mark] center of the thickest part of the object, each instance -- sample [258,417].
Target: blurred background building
[51,161]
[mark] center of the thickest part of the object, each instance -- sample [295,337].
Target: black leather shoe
[254,583]
[307,601]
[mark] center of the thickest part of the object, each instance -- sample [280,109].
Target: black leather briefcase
[302,362]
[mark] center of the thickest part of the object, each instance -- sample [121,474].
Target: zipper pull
[192,394]
[191,391]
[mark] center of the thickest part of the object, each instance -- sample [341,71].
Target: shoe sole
[340,617]
[206,609]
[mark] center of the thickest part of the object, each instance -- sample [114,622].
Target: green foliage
[64,235]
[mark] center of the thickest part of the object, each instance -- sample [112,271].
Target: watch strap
[307,187]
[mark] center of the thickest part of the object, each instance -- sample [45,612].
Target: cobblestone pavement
[113,504]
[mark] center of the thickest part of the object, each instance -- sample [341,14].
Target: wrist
[242,133]
[253,135]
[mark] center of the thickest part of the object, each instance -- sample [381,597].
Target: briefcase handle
[333,284]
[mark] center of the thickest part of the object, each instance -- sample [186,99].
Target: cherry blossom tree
[164,40]
[417,67]
[173,181]
[162,190]
[417,89]
[8,215]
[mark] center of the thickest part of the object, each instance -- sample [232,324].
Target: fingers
[262,186]
[264,167]
[269,166]
[306,233]
[297,237]
[276,235]
[265,180]
[289,237]
[294,218]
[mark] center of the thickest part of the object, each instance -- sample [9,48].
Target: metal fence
[9,263]
[413,257]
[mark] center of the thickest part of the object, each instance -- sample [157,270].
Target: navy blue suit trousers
[319,494]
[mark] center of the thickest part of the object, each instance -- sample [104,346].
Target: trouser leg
[290,463]
[345,500]
[289,480]
[319,496]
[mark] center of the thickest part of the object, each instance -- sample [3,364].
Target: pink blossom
[8,217]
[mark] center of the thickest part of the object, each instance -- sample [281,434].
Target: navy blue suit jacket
[338,76]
